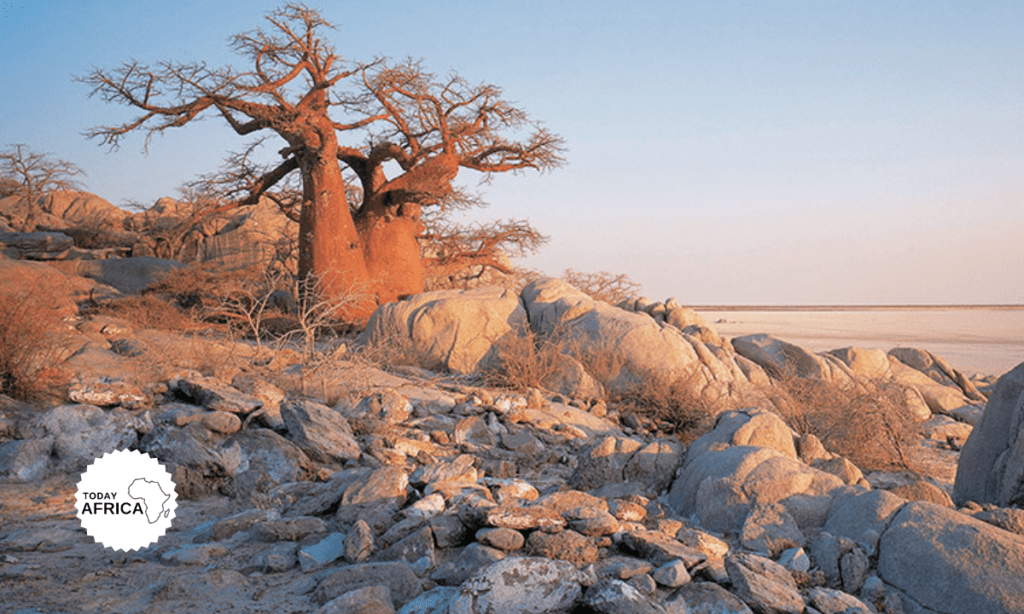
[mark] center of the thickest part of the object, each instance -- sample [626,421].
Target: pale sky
[722,152]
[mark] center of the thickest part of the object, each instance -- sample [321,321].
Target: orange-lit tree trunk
[330,257]
[389,222]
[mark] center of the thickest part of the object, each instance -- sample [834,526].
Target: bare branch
[32,175]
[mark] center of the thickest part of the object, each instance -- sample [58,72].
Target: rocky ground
[384,474]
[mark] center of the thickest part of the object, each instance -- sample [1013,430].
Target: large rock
[83,433]
[452,329]
[35,245]
[764,584]
[321,432]
[522,585]
[26,460]
[868,363]
[941,399]
[625,349]
[20,278]
[861,515]
[129,275]
[952,563]
[991,466]
[784,360]
[194,457]
[402,583]
[71,208]
[749,458]
[937,368]
[269,460]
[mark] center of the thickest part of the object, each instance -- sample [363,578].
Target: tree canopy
[337,115]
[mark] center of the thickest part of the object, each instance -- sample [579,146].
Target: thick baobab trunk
[389,223]
[393,253]
[330,255]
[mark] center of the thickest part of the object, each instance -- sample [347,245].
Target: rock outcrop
[450,329]
[346,487]
[951,563]
[991,467]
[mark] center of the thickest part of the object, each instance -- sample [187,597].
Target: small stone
[449,530]
[535,400]
[327,550]
[567,546]
[510,489]
[644,583]
[358,543]
[242,521]
[200,554]
[366,600]
[592,521]
[854,568]
[672,574]
[473,430]
[502,539]
[427,507]
[216,395]
[471,560]
[659,549]
[617,597]
[522,442]
[831,601]
[707,543]
[795,559]
[279,557]
[290,529]
[523,518]
[627,511]
[222,422]
[623,567]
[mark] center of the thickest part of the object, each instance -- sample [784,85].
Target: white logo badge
[126,500]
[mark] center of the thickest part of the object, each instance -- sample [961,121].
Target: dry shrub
[396,350]
[523,359]
[603,286]
[146,311]
[99,235]
[673,404]
[33,342]
[201,288]
[868,423]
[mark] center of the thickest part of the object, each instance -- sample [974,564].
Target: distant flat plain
[984,339]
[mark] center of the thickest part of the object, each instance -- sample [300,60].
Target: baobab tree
[391,114]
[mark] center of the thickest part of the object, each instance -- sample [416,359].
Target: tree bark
[392,252]
[389,223]
[330,255]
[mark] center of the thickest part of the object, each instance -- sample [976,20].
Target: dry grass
[523,359]
[869,424]
[660,402]
[146,311]
[33,341]
[673,405]
[396,350]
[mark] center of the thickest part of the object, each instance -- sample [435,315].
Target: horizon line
[872,307]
